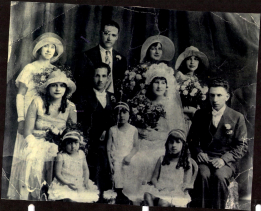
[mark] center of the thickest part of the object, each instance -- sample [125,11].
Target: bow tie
[216,113]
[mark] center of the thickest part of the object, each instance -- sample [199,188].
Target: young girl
[172,174]
[47,49]
[189,62]
[71,180]
[122,145]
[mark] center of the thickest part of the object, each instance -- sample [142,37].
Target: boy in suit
[218,139]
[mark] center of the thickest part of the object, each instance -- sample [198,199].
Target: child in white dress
[71,180]
[122,145]
[172,175]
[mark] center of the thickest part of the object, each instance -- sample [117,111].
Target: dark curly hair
[147,57]
[47,98]
[184,69]
[219,82]
[184,155]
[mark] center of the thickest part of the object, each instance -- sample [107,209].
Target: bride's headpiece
[160,70]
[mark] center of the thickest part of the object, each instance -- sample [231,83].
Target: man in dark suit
[95,114]
[217,141]
[105,53]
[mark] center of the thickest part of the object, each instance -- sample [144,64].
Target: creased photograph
[130,105]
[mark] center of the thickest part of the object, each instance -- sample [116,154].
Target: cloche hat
[191,51]
[168,48]
[47,38]
[58,76]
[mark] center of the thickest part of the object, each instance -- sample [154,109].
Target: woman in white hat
[189,63]
[155,50]
[47,49]
[45,121]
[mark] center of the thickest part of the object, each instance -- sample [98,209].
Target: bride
[156,110]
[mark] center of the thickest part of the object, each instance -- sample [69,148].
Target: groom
[95,114]
[217,141]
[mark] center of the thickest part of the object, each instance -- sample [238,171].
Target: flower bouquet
[192,93]
[144,114]
[134,80]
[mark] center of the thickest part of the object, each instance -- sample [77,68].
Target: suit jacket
[93,118]
[228,141]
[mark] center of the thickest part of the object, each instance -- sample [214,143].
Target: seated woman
[156,111]
[172,175]
[45,121]
[192,93]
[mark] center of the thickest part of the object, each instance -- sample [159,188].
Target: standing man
[217,141]
[105,53]
[95,114]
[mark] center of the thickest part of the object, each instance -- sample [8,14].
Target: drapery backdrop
[230,40]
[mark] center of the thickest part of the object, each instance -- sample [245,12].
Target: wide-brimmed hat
[191,51]
[56,77]
[168,48]
[177,133]
[47,38]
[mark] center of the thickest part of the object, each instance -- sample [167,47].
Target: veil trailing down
[156,110]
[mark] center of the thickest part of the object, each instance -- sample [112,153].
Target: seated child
[172,175]
[71,180]
[122,145]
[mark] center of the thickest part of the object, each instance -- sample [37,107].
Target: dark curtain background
[230,40]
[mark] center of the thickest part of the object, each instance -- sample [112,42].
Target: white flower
[185,92]
[43,78]
[197,85]
[118,57]
[138,77]
[192,94]
[183,87]
[127,72]
[195,90]
[203,97]
[228,126]
[204,90]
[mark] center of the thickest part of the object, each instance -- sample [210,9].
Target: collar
[103,93]
[104,50]
[220,112]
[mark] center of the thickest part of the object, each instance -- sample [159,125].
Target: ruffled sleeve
[25,75]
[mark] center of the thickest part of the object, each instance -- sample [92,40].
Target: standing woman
[190,65]
[47,49]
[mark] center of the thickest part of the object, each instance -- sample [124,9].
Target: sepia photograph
[132,106]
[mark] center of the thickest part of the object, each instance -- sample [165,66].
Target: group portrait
[130,105]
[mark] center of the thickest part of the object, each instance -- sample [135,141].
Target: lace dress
[72,171]
[169,185]
[122,144]
[25,77]
[144,161]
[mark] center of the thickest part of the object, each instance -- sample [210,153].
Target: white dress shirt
[216,115]
[101,96]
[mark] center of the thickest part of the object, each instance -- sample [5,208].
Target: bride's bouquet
[192,93]
[144,114]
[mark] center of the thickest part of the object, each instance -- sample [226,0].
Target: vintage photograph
[130,105]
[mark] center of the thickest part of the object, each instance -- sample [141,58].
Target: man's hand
[218,163]
[203,157]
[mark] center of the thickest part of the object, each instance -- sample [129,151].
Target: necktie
[107,58]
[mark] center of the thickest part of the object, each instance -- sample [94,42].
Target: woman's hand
[21,127]
[72,186]
[126,160]
[186,186]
